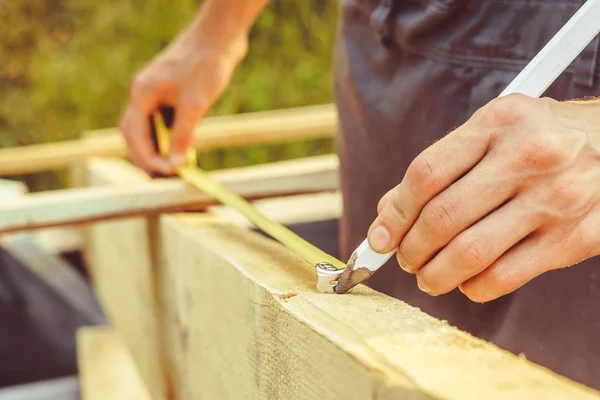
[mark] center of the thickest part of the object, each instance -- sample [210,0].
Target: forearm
[225,23]
[231,18]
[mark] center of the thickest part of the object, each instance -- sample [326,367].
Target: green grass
[66,67]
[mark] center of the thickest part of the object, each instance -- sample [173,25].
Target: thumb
[384,200]
[186,119]
[395,218]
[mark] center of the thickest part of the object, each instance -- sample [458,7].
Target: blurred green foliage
[66,66]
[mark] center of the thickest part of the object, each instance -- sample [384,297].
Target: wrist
[224,26]
[585,117]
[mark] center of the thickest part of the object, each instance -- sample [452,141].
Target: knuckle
[565,195]
[392,213]
[473,292]
[381,204]
[141,86]
[439,219]
[424,172]
[195,106]
[471,252]
[425,285]
[489,286]
[138,86]
[504,111]
[405,261]
[539,151]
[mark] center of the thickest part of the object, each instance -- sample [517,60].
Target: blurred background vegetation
[66,66]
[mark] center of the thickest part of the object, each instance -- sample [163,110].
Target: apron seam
[440,55]
[382,24]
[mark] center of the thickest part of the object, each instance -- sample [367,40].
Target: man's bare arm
[228,19]
[189,75]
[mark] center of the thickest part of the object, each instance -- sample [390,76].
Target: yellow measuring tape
[200,179]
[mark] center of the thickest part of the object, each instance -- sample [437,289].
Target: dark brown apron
[407,73]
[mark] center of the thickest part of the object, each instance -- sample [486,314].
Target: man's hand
[511,194]
[189,76]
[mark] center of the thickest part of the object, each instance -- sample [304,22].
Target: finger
[513,270]
[136,130]
[478,247]
[186,119]
[471,198]
[531,258]
[384,200]
[431,172]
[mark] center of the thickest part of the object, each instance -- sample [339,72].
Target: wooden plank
[243,319]
[11,189]
[55,240]
[78,206]
[289,210]
[106,368]
[127,292]
[128,295]
[216,311]
[59,240]
[267,127]
[144,197]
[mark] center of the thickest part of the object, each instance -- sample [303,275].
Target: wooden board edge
[401,348]
[266,127]
[132,194]
[106,368]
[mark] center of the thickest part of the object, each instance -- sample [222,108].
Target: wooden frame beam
[106,368]
[212,310]
[265,127]
[144,197]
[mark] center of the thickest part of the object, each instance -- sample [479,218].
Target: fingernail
[403,264]
[161,166]
[405,268]
[178,159]
[425,289]
[380,239]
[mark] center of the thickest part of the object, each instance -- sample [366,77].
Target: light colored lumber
[72,206]
[243,319]
[126,291]
[106,369]
[56,240]
[266,127]
[210,310]
[302,208]
[236,315]
[10,190]
[84,205]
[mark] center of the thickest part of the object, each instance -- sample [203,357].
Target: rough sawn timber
[106,369]
[144,197]
[243,317]
[122,253]
[238,130]
[218,311]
